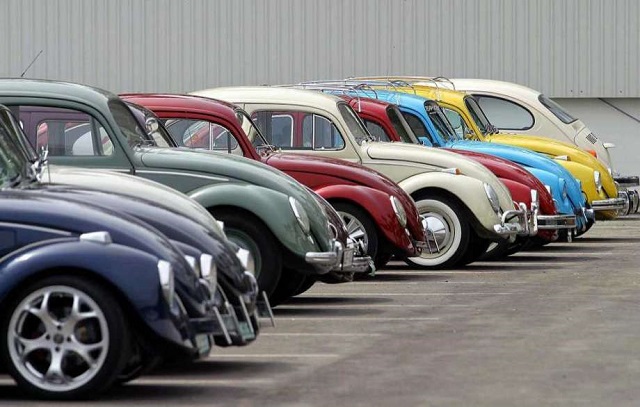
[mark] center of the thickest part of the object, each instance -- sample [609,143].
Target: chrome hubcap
[58,338]
[355,229]
[442,233]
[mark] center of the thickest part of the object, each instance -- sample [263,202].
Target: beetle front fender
[519,191]
[131,272]
[585,175]
[377,205]
[271,207]
[468,190]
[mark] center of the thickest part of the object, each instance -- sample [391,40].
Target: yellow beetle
[468,119]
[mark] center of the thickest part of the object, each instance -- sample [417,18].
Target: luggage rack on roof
[355,88]
[409,80]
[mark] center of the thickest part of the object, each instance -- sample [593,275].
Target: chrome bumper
[554,222]
[509,228]
[354,260]
[627,181]
[612,204]
[326,261]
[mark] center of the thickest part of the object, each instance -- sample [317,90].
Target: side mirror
[151,125]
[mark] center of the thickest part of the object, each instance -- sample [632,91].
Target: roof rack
[437,80]
[356,88]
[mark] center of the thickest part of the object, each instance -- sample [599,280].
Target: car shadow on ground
[402,276]
[319,312]
[328,300]
[222,369]
[609,239]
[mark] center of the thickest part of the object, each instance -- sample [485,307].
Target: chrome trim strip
[183,174]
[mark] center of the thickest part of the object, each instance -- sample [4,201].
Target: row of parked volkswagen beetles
[142,228]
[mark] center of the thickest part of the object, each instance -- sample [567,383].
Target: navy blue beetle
[82,289]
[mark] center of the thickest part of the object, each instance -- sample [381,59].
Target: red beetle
[519,181]
[376,211]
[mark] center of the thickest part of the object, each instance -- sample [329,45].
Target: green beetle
[263,210]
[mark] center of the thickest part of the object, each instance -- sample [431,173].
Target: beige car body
[413,167]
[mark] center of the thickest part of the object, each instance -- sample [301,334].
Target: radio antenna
[32,62]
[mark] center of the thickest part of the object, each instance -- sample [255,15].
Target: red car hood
[351,173]
[509,170]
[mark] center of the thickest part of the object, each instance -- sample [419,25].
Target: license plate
[203,344]
[347,257]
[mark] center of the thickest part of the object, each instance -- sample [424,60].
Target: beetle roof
[275,95]
[167,101]
[54,89]
[496,87]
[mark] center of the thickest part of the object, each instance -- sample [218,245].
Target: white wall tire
[452,232]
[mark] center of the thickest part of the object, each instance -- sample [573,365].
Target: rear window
[557,110]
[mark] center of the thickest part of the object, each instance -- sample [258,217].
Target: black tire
[288,286]
[477,249]
[111,360]
[250,233]
[306,285]
[382,259]
[453,215]
[346,210]
[506,248]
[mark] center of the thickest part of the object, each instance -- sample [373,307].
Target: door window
[66,132]
[202,134]
[505,114]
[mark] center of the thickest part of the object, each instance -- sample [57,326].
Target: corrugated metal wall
[568,48]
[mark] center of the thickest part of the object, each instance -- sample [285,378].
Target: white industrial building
[584,53]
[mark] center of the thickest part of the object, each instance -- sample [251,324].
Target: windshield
[13,162]
[477,114]
[440,122]
[128,124]
[354,124]
[401,126]
[250,130]
[557,110]
[146,117]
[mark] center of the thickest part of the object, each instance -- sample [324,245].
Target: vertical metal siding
[569,48]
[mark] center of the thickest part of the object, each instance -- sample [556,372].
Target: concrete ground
[558,326]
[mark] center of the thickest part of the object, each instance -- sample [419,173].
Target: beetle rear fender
[131,273]
[468,191]
[376,204]
[271,207]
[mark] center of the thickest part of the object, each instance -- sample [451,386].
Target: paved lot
[559,326]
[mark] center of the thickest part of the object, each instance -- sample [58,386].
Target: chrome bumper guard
[627,181]
[509,228]
[325,261]
[634,201]
[354,260]
[430,243]
[612,204]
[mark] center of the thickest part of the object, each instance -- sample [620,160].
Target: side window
[326,135]
[298,130]
[505,114]
[416,125]
[376,130]
[202,134]
[282,130]
[457,122]
[66,132]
